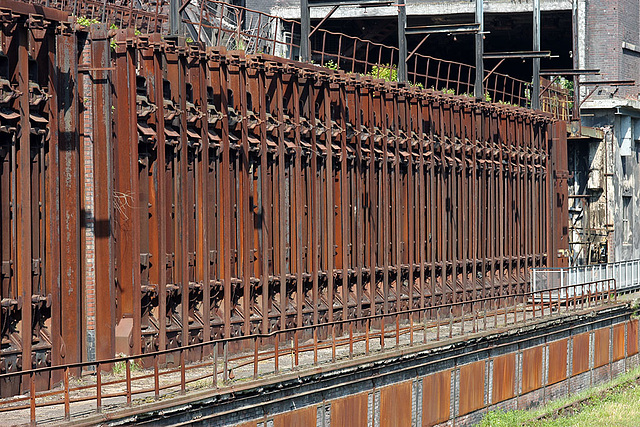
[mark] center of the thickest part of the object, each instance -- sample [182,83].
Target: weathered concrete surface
[607,171]
[291,9]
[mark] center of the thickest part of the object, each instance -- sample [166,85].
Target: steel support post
[535,92]
[23,254]
[69,198]
[103,184]
[305,29]
[175,19]
[402,41]
[478,87]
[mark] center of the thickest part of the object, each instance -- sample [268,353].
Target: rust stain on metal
[504,377]
[471,387]
[531,369]
[558,361]
[436,393]
[601,347]
[299,418]
[350,411]
[395,405]
[580,360]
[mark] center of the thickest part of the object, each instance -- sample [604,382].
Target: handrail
[294,329]
[504,310]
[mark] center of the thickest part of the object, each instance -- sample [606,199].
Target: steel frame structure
[239,194]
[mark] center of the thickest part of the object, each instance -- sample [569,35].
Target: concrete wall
[588,234]
[291,8]
[614,174]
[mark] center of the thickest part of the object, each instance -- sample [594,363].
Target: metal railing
[295,348]
[625,273]
[144,16]
[217,23]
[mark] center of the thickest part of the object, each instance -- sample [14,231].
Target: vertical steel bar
[156,378]
[32,398]
[67,409]
[128,380]
[183,382]
[255,358]
[98,388]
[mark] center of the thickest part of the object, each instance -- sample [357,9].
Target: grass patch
[611,404]
[120,367]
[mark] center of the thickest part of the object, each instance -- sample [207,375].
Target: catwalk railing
[292,350]
[625,273]
[221,24]
[231,195]
[218,23]
[145,17]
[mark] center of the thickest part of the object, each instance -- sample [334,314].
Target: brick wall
[609,23]
[89,256]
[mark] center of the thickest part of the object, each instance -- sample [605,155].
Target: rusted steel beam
[51,259]
[103,184]
[71,298]
[23,254]
[127,200]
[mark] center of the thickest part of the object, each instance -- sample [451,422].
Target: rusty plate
[300,418]
[436,392]
[632,337]
[580,353]
[395,405]
[350,411]
[557,361]
[618,341]
[504,377]
[601,350]
[531,369]
[471,387]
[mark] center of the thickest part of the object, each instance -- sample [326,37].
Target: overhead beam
[518,54]
[367,3]
[611,83]
[445,29]
[569,72]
